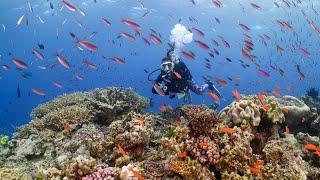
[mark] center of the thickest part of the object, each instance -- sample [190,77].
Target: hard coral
[246,109]
[79,166]
[296,110]
[201,118]
[11,174]
[203,149]
[100,105]
[101,173]
[190,169]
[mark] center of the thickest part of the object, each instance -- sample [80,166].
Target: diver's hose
[152,73]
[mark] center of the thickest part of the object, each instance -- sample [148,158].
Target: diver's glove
[213,88]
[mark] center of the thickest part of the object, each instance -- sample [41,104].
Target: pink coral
[203,149]
[102,173]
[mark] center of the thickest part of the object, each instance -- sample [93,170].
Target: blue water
[20,40]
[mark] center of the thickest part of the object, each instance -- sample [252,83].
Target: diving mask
[167,66]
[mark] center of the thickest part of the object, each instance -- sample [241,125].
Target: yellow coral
[181,168]
[11,174]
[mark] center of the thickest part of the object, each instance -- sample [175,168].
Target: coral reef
[106,134]
[201,118]
[11,174]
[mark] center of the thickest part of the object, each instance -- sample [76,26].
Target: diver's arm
[186,72]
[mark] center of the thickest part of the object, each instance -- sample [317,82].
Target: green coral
[274,112]
[4,140]
[171,132]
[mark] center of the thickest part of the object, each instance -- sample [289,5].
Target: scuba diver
[175,79]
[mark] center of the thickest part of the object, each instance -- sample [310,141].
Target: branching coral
[201,118]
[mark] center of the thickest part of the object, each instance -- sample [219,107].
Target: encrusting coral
[106,134]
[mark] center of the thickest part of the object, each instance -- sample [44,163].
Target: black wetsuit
[172,82]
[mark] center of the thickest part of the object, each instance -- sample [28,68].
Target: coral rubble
[107,134]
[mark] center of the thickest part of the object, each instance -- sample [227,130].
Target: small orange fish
[214,96]
[137,174]
[276,94]
[255,170]
[236,94]
[138,118]
[277,87]
[285,110]
[163,108]
[177,121]
[66,127]
[265,107]
[222,82]
[259,163]
[310,147]
[121,150]
[261,96]
[182,154]
[226,130]
[203,145]
[177,75]
[287,130]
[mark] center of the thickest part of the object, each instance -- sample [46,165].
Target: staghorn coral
[201,118]
[203,149]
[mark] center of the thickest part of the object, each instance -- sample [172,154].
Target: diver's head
[167,65]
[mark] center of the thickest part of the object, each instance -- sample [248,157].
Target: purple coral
[101,173]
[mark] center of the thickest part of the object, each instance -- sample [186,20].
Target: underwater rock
[295,109]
